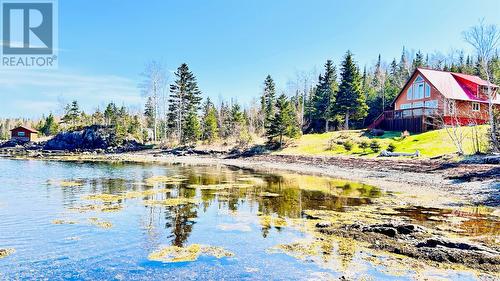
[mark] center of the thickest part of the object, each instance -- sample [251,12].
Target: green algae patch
[165,180]
[128,195]
[100,223]
[62,221]
[148,192]
[172,201]
[301,249]
[96,208]
[103,197]
[6,252]
[269,221]
[222,186]
[172,254]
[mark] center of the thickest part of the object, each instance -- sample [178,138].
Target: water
[33,196]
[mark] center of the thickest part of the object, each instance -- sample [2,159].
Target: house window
[20,134]
[419,91]
[476,106]
[427,90]
[409,95]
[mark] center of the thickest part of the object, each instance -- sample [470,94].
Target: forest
[341,96]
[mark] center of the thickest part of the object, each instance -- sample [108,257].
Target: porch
[415,120]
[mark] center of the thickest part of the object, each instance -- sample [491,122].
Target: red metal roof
[473,79]
[449,87]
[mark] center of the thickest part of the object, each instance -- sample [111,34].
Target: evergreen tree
[403,67]
[350,99]
[191,131]
[184,102]
[267,100]
[419,60]
[150,113]
[284,122]
[50,126]
[210,129]
[72,114]
[110,113]
[323,99]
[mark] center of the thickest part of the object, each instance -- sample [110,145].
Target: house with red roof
[433,98]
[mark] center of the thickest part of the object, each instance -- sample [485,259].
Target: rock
[95,137]
[323,224]
[392,229]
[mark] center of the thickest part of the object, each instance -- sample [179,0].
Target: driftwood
[386,153]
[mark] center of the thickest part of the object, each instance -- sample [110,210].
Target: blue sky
[230,45]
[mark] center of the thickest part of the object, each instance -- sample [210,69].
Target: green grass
[429,144]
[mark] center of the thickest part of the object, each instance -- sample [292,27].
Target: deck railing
[410,113]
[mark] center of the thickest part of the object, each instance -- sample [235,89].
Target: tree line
[342,96]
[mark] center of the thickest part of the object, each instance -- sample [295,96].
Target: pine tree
[150,113]
[419,60]
[403,67]
[210,129]
[184,102]
[110,113]
[49,126]
[191,131]
[350,99]
[323,98]
[72,114]
[284,122]
[267,100]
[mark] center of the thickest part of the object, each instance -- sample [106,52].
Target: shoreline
[425,182]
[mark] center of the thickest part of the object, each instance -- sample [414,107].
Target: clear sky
[230,45]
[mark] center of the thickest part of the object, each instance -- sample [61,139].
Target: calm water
[32,197]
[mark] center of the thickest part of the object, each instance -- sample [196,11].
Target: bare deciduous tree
[153,85]
[485,39]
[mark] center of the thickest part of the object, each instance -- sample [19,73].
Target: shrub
[377,132]
[391,147]
[348,145]
[375,146]
[364,145]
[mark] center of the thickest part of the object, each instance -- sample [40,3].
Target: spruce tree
[350,101]
[323,98]
[210,129]
[284,122]
[419,60]
[72,114]
[267,100]
[150,113]
[184,102]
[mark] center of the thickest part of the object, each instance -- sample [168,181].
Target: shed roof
[26,128]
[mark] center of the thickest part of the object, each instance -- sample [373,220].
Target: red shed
[23,133]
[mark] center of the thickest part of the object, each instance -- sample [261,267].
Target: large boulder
[92,137]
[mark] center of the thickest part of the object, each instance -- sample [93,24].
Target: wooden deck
[415,120]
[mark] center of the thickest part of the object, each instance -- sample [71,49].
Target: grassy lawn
[430,144]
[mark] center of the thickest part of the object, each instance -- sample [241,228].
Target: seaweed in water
[172,201]
[187,254]
[6,252]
